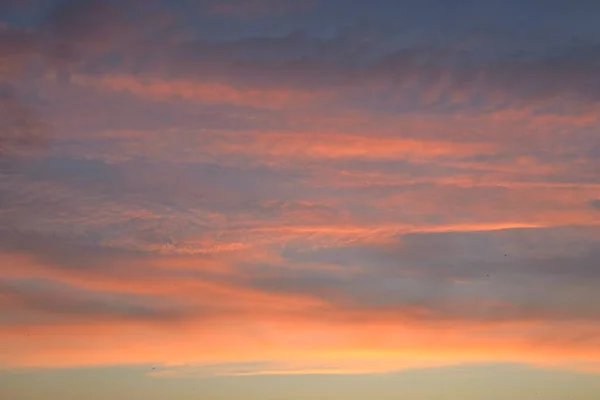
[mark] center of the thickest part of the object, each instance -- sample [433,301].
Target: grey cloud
[8,6]
[78,29]
[85,258]
[513,274]
[60,252]
[253,8]
[181,203]
[81,19]
[22,131]
[57,300]
[73,33]
[80,172]
[552,253]
[349,60]
[357,54]
[16,42]
[424,298]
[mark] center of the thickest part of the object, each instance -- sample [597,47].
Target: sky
[298,200]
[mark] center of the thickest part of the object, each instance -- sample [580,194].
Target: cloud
[209,93]
[21,128]
[47,302]
[367,67]
[15,42]
[256,8]
[22,132]
[282,317]
[440,275]
[7,6]
[72,34]
[266,188]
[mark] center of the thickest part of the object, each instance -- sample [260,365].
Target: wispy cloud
[263,187]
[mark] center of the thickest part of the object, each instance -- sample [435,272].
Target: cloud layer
[264,187]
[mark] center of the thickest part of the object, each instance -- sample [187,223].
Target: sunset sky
[299,199]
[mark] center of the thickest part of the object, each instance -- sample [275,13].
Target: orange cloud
[205,92]
[226,321]
[280,345]
[333,145]
[292,204]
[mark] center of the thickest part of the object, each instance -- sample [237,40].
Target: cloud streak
[263,187]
